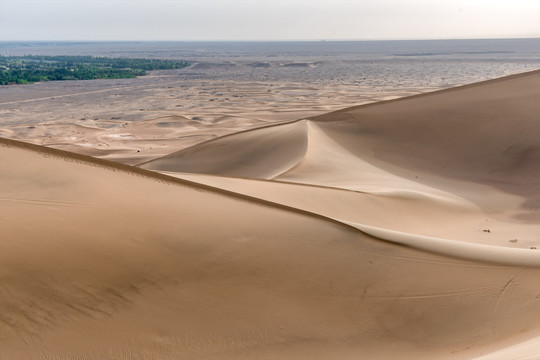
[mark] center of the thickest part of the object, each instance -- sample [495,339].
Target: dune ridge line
[452,248]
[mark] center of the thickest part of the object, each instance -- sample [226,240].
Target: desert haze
[402,229]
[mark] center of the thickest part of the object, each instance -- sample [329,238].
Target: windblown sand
[404,229]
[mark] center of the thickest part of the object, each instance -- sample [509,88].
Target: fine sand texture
[404,229]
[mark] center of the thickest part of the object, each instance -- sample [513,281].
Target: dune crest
[264,153]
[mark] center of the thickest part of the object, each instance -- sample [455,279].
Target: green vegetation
[32,68]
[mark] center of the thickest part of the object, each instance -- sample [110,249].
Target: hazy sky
[266,19]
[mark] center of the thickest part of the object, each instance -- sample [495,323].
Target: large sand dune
[400,230]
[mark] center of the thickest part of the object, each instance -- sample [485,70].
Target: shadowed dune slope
[263,153]
[101,261]
[486,133]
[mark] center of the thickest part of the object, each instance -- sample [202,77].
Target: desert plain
[259,220]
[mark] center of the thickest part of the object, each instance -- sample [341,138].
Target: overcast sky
[267,19]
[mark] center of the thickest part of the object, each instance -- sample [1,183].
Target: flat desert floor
[401,229]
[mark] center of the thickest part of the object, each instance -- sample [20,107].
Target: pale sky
[267,19]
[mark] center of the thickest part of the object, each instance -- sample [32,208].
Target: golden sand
[404,229]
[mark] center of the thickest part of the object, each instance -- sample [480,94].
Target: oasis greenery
[33,68]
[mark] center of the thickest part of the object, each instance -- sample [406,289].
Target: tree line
[34,68]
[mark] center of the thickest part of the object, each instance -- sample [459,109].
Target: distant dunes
[404,229]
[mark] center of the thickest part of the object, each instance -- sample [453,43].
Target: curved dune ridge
[264,153]
[403,229]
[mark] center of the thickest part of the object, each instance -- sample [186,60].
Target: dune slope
[101,261]
[263,153]
[484,133]
[452,172]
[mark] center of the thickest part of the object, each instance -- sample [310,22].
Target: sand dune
[264,153]
[461,133]
[396,230]
[465,168]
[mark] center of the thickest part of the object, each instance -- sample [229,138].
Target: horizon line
[263,40]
